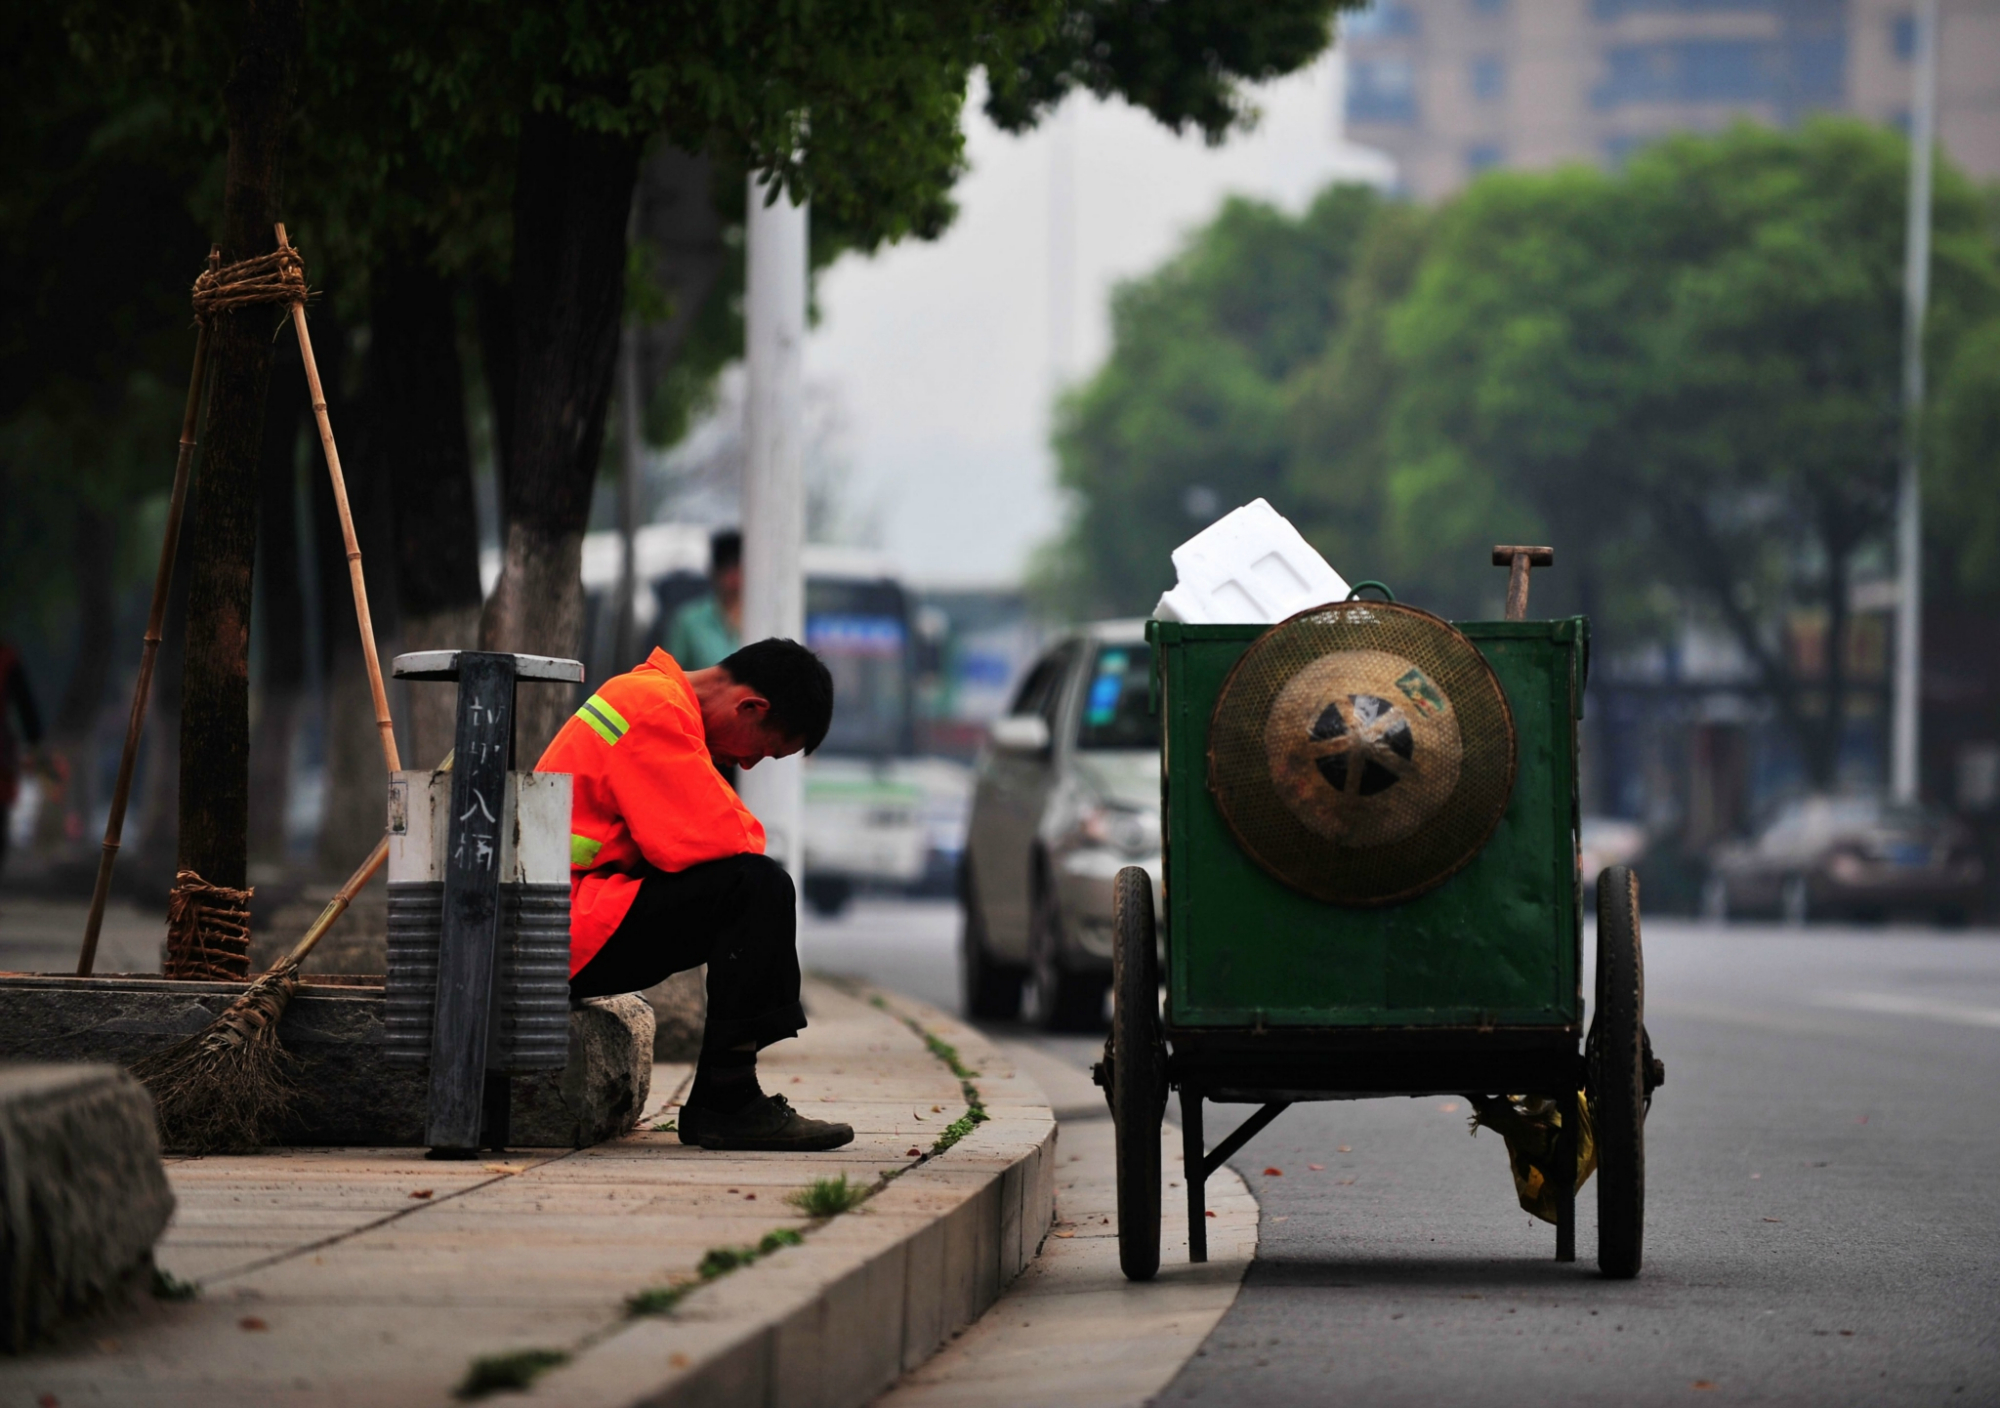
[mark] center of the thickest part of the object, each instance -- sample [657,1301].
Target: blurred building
[1450,88]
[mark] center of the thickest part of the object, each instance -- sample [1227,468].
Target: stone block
[333,1029]
[83,1196]
[599,1094]
[680,1012]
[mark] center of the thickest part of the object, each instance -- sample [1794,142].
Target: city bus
[879,815]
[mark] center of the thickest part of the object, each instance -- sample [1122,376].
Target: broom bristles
[226,1089]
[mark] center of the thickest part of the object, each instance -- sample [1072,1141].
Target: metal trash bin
[478,984]
[529,1028]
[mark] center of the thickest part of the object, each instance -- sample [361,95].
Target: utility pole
[774,497]
[1906,702]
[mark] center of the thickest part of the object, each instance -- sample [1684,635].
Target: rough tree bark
[417,429]
[674,216]
[281,603]
[356,783]
[215,685]
[493,317]
[572,194]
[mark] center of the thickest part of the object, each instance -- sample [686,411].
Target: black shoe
[767,1123]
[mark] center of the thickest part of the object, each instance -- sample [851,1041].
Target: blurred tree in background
[103,203]
[460,179]
[1190,410]
[1684,375]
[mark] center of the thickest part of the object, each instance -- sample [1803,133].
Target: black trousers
[739,915]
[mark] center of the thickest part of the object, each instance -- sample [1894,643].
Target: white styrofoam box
[1248,567]
[533,824]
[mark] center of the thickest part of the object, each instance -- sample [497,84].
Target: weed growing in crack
[167,1286]
[716,1262]
[496,1373]
[828,1197]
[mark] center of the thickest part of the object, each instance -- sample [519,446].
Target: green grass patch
[828,1197]
[716,1262]
[667,1127]
[167,1286]
[975,1108]
[945,1052]
[720,1261]
[496,1373]
[656,1300]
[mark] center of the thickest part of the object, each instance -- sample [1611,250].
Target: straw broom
[226,1087]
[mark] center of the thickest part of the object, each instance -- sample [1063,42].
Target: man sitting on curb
[668,871]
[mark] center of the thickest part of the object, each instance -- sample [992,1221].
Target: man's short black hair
[796,682]
[725,550]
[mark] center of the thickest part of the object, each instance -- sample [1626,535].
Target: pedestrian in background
[709,628]
[17,702]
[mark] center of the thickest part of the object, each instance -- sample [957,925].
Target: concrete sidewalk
[362,1276]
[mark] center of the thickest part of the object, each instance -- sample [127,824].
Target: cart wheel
[1138,1072]
[1616,1054]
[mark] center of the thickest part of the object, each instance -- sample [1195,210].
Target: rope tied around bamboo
[277,277]
[208,931]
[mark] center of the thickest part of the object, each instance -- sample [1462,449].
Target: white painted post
[774,499]
[1906,699]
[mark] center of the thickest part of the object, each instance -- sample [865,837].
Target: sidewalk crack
[333,1239]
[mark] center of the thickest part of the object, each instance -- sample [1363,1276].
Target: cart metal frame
[1273,997]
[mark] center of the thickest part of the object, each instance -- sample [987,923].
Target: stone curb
[83,1196]
[870,1295]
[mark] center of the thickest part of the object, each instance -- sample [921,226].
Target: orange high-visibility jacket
[646,794]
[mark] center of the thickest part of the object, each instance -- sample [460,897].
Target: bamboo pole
[149,651]
[354,577]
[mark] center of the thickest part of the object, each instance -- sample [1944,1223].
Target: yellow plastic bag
[1531,1124]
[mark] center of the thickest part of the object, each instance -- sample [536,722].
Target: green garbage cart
[1372,888]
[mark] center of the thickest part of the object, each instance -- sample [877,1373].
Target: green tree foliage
[1183,62]
[1191,408]
[1684,375]
[98,245]
[1962,472]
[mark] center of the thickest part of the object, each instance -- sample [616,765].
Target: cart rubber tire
[1138,1072]
[1616,1053]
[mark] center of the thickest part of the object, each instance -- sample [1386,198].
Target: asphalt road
[1823,1219]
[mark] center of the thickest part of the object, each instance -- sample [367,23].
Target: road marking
[1895,1004]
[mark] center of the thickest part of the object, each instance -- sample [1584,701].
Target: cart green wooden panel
[1273,996]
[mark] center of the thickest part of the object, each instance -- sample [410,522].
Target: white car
[1067,795]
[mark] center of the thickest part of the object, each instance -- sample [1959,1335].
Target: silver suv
[1068,793]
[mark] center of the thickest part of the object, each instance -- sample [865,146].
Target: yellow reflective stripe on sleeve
[583,851]
[606,722]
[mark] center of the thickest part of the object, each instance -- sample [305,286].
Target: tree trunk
[146,868]
[493,316]
[215,686]
[60,828]
[94,565]
[674,216]
[1823,748]
[356,782]
[572,194]
[417,430]
[281,600]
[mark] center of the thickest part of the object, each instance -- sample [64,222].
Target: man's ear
[756,705]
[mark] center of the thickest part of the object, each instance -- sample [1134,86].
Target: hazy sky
[942,355]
